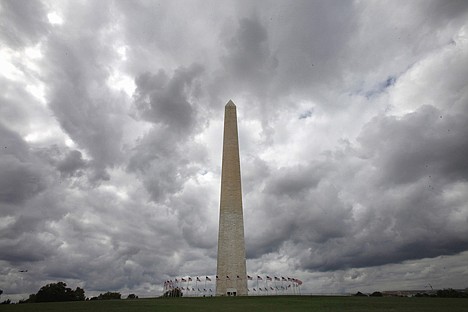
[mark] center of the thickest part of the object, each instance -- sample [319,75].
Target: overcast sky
[353,127]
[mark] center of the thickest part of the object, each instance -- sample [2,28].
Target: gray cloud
[72,162]
[394,214]
[22,22]
[166,101]
[20,179]
[425,144]
[352,124]
[248,57]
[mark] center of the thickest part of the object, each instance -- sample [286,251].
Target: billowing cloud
[20,178]
[352,127]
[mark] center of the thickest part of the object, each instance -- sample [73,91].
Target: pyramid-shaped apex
[231,103]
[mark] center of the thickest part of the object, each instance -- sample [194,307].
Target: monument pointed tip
[230,103]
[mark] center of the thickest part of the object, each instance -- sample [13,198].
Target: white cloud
[54,18]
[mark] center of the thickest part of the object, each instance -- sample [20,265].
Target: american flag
[298,281]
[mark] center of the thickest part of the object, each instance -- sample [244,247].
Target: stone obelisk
[231,271]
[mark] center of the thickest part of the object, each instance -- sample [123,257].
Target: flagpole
[188,282]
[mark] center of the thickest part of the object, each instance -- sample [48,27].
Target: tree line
[59,292]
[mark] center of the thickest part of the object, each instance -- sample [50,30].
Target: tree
[109,295]
[80,294]
[451,293]
[58,292]
[31,299]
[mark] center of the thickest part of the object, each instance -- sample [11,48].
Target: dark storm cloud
[22,22]
[248,57]
[88,111]
[309,40]
[293,181]
[86,114]
[20,179]
[26,248]
[165,156]
[394,210]
[425,144]
[165,160]
[441,12]
[71,163]
[165,100]
[407,216]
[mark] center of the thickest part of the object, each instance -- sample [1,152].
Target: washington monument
[231,271]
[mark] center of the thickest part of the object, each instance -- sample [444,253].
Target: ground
[258,304]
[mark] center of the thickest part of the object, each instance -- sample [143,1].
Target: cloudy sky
[353,127]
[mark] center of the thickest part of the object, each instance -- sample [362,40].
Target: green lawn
[256,304]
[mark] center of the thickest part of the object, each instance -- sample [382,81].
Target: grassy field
[257,304]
